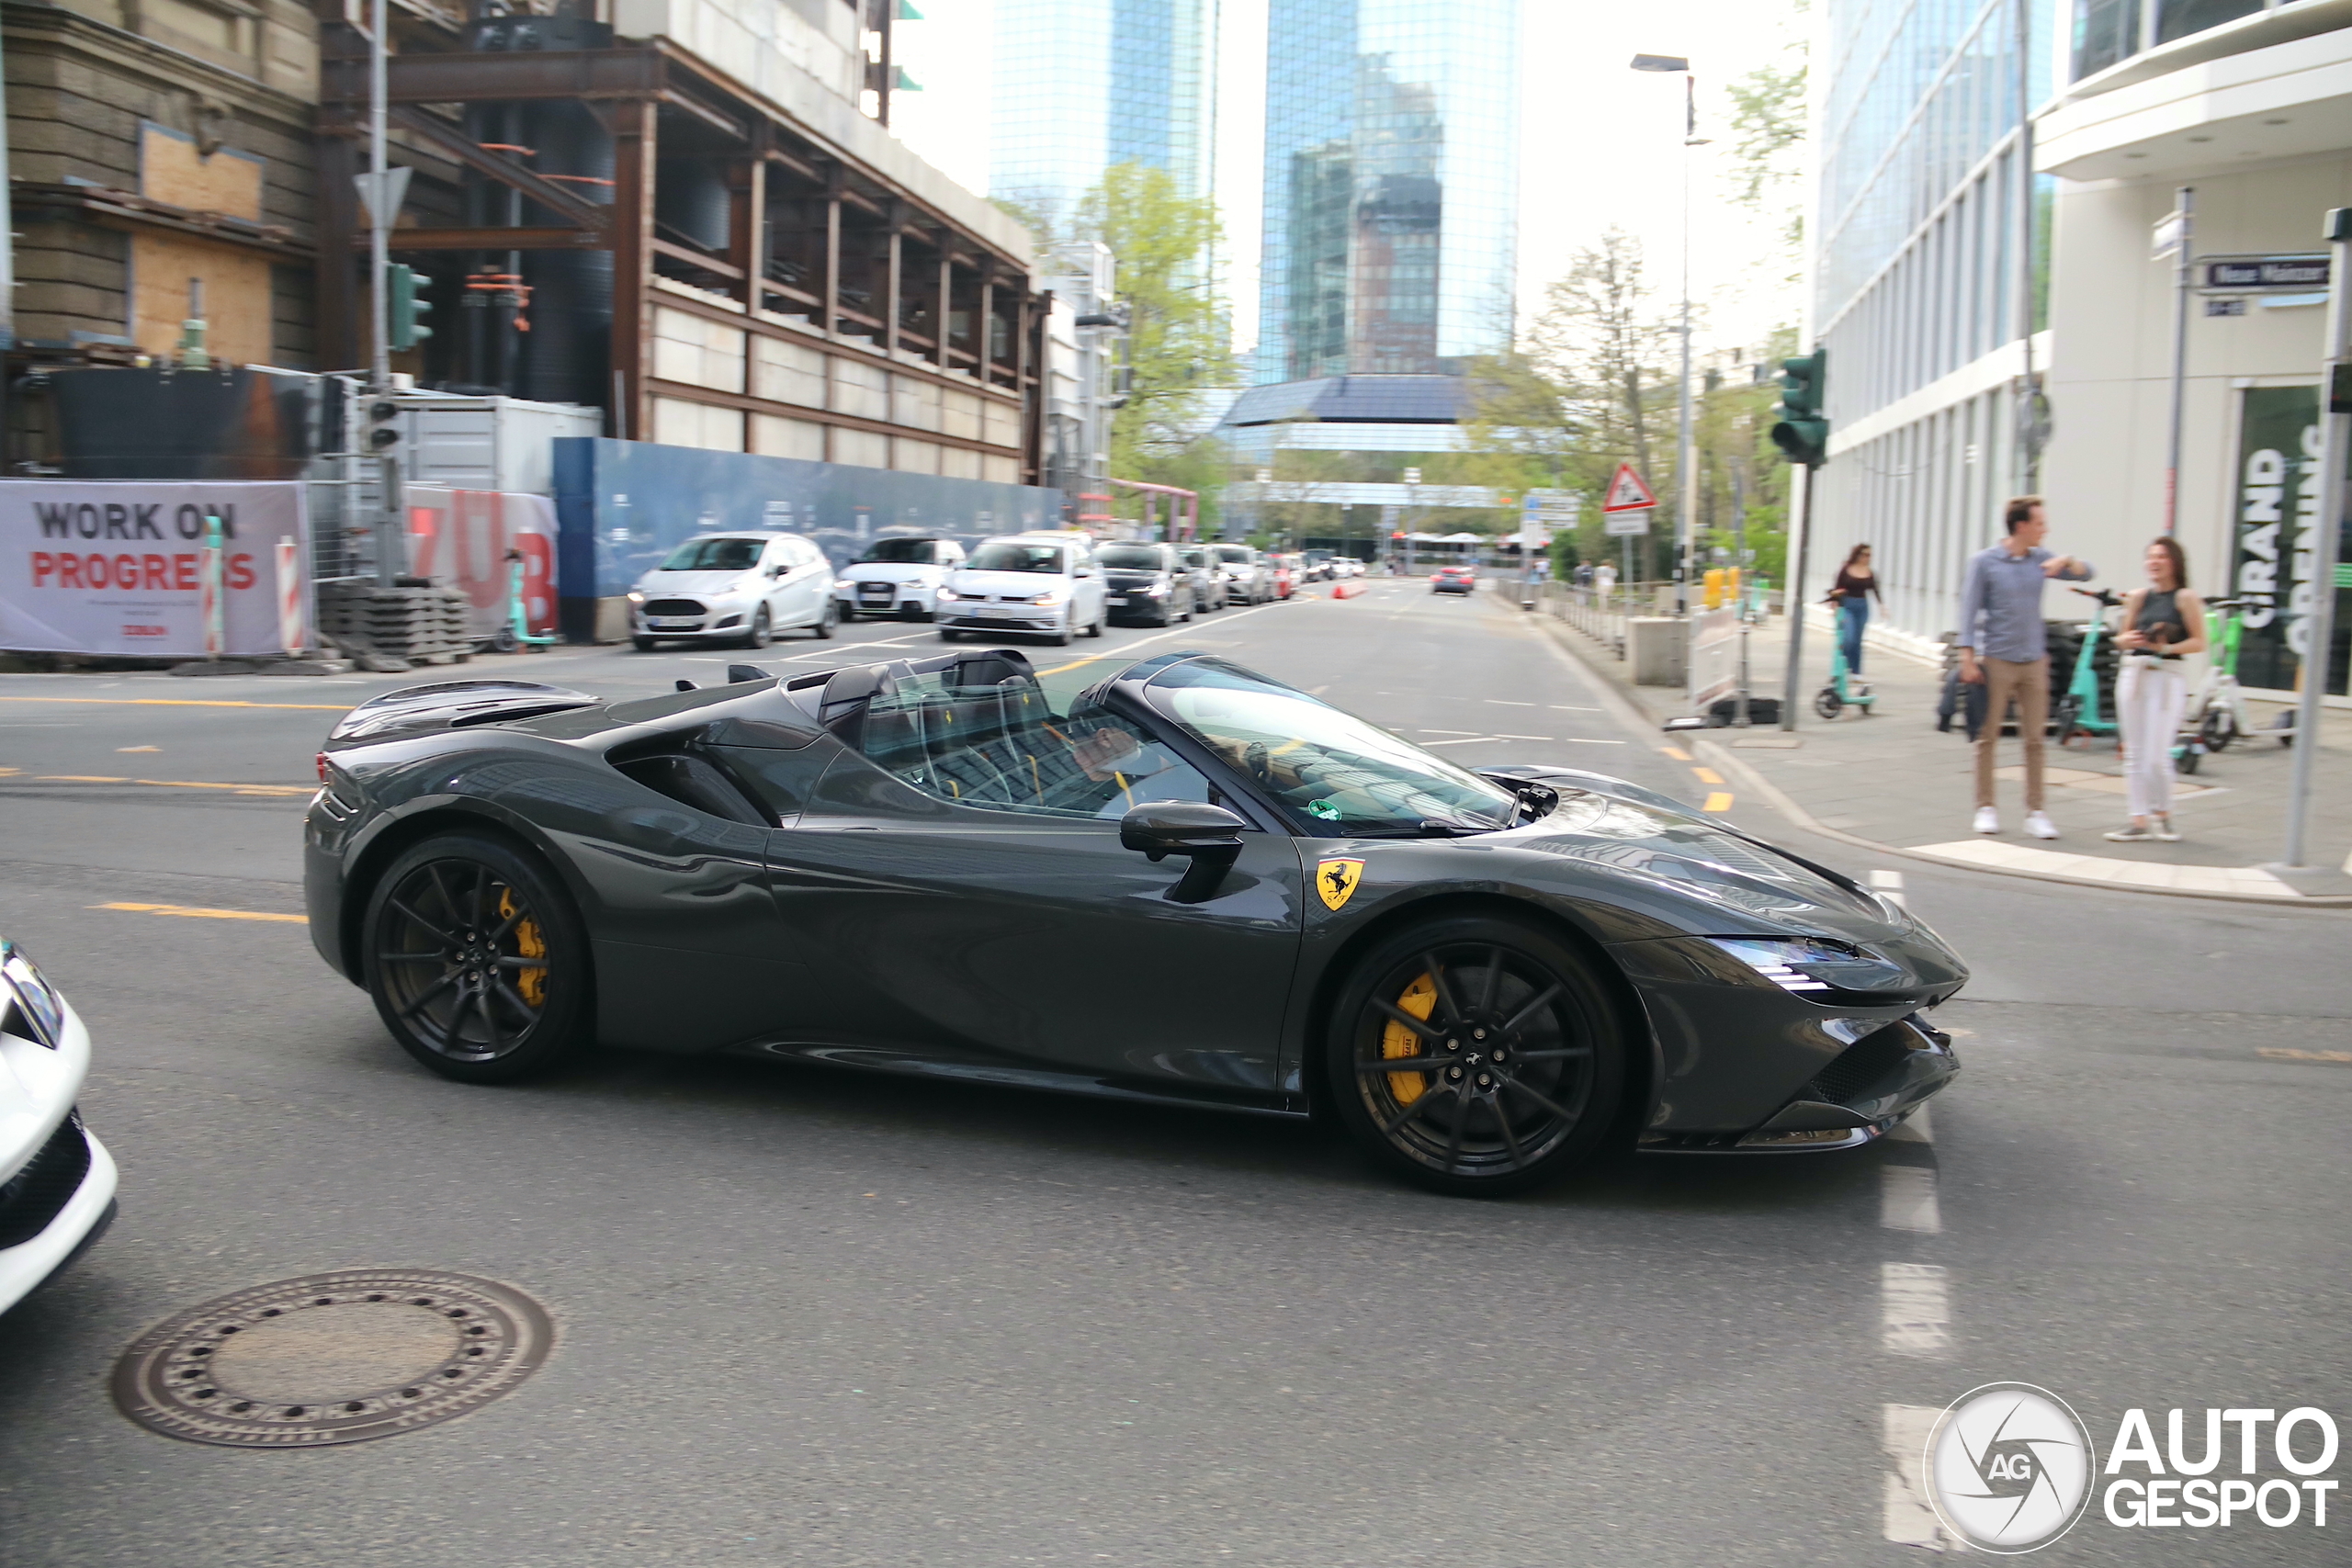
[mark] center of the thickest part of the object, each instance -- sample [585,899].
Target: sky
[1600,143]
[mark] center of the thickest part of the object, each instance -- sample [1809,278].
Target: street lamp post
[1686,461]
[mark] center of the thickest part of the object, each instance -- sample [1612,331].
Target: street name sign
[1630,524]
[2261,274]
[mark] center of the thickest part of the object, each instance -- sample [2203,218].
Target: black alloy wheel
[477,962]
[1476,1057]
[759,635]
[644,644]
[848,614]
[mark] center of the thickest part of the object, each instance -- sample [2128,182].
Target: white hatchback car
[897,576]
[56,1181]
[734,588]
[1044,585]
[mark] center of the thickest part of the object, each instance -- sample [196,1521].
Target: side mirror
[1209,835]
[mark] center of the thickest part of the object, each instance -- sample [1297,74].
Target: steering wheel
[1255,762]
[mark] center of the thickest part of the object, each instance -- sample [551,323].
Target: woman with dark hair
[2162,623]
[1852,594]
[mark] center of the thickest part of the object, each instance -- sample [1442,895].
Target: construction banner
[460,538]
[117,566]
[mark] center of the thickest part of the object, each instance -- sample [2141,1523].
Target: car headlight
[1158,590]
[844,585]
[948,593]
[1803,964]
[635,597]
[1052,596]
[29,1005]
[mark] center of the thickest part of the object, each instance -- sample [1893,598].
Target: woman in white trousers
[2161,623]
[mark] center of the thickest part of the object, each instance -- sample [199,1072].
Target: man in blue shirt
[2002,645]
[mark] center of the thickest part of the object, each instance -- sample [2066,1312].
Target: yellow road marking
[2289,1053]
[1719,801]
[1677,752]
[281,791]
[185,703]
[1708,775]
[203,913]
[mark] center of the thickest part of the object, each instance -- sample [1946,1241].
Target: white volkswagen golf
[1037,584]
[56,1181]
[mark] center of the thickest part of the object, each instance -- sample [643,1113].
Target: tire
[1486,1127]
[848,613]
[2185,764]
[1061,638]
[1827,703]
[2217,729]
[644,644]
[759,635]
[949,634]
[1102,622]
[827,619]
[2063,729]
[482,897]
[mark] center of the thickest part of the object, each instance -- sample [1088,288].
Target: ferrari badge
[1336,880]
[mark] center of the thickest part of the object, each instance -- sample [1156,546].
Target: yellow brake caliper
[533,981]
[1420,1001]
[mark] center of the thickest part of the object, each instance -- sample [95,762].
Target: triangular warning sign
[1627,492]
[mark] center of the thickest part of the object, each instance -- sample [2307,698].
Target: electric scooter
[2080,711]
[1845,690]
[516,634]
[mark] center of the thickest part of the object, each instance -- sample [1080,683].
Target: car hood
[1026,584]
[888,571]
[705,584]
[1727,883]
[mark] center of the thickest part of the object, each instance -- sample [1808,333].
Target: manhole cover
[331,1359]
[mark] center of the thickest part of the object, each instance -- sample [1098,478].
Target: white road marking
[1449,732]
[1915,1309]
[1586,741]
[1501,735]
[1506,703]
[1914,1128]
[1569,707]
[1903,1437]
[1890,885]
[1906,1199]
[1467,740]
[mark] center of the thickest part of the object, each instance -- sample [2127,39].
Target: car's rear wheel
[476,959]
[1512,1056]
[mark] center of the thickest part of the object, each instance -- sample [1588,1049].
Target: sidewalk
[1888,780]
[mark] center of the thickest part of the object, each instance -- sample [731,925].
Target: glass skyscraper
[1391,186]
[1082,84]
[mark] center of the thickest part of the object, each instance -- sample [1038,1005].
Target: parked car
[1144,583]
[1453,579]
[1208,576]
[1042,585]
[57,1182]
[734,588]
[961,867]
[1318,564]
[897,576]
[1247,576]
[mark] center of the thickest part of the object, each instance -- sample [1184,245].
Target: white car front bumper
[61,1186]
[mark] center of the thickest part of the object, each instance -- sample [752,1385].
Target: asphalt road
[816,1318]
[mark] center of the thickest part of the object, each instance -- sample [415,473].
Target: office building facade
[1082,84]
[2247,105]
[1920,288]
[1391,186]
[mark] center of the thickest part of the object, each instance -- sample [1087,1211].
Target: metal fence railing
[1600,614]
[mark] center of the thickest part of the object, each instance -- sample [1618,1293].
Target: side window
[1001,749]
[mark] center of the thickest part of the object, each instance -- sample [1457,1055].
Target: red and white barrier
[209,603]
[293,633]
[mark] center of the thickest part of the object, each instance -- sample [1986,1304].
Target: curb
[1634,710]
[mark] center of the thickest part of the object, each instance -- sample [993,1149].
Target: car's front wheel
[827,619]
[1475,1056]
[476,960]
[760,635]
[643,644]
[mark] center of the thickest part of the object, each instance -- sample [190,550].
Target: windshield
[1004,556]
[715,554]
[903,552]
[1332,768]
[1233,553]
[1132,558]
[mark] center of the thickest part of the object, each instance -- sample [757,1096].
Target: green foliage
[1179,343]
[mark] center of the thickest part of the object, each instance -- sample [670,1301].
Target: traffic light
[1800,428]
[404,294]
[383,426]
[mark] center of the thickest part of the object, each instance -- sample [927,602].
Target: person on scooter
[2004,592]
[2161,623]
[1852,594]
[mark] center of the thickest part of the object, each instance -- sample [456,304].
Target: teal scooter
[2083,711]
[516,634]
[1845,689]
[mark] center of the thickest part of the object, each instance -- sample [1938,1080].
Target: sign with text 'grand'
[116,566]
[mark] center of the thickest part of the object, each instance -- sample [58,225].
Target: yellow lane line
[203,913]
[1708,775]
[1677,752]
[2289,1053]
[1718,801]
[185,703]
[280,791]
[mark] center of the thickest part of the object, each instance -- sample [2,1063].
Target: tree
[1768,150]
[1180,338]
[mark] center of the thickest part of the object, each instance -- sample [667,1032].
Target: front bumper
[1860,1097]
[902,599]
[70,1214]
[961,618]
[723,621]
